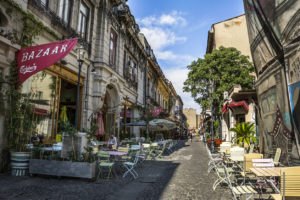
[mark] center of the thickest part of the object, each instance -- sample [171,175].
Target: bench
[290,184]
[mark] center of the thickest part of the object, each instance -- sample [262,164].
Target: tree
[224,67]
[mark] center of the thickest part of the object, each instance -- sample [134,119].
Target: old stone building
[273,28]
[120,62]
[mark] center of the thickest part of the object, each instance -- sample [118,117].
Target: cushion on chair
[276,196]
[106,164]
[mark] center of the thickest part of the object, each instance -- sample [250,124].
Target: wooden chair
[290,184]
[277,157]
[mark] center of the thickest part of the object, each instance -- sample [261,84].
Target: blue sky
[177,32]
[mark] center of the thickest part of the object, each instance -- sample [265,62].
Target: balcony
[58,22]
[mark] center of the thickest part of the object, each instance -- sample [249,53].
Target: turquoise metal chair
[104,162]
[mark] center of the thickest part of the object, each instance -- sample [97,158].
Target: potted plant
[19,124]
[75,165]
[244,134]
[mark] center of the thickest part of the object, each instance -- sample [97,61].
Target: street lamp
[80,57]
[212,117]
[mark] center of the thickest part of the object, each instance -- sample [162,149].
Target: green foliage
[18,111]
[225,67]
[244,133]
[32,27]
[88,156]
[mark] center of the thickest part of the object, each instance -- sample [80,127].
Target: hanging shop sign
[36,58]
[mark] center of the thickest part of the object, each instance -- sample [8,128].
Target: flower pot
[63,168]
[19,163]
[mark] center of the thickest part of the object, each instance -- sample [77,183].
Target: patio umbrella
[100,131]
[139,123]
[162,125]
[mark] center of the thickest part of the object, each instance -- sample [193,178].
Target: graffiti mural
[274,32]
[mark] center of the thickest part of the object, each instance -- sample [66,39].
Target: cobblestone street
[181,175]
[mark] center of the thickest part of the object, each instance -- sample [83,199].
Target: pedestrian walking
[191,135]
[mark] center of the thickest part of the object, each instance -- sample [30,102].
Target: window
[44,3]
[83,20]
[125,66]
[112,47]
[64,10]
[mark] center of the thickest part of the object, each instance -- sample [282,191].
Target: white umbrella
[162,125]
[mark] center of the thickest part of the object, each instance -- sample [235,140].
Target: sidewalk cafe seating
[104,162]
[223,174]
[264,163]
[246,174]
[225,146]
[213,162]
[290,184]
[238,191]
[159,152]
[131,165]
[126,150]
[277,157]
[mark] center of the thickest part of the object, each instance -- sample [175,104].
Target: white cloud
[160,32]
[172,19]
[160,38]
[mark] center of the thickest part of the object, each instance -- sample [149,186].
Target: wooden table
[266,173]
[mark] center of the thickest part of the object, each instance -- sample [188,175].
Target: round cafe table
[116,153]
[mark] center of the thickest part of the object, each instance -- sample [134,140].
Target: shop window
[125,67]
[65,10]
[83,20]
[112,47]
[52,95]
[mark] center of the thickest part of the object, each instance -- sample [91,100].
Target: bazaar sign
[36,58]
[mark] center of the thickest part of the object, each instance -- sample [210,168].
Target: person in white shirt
[112,140]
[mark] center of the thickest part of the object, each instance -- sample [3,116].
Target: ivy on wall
[32,27]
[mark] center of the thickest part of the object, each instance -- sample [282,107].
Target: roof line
[228,19]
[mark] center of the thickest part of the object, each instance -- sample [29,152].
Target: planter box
[63,168]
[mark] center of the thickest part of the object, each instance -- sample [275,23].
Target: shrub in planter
[82,166]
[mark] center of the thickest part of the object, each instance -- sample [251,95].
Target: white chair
[238,190]
[131,165]
[213,162]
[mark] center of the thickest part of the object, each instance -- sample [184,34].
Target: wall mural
[274,29]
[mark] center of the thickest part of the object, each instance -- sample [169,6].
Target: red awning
[239,103]
[40,111]
[224,108]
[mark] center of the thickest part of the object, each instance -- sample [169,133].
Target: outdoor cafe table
[136,147]
[116,153]
[267,173]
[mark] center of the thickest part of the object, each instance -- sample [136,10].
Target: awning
[224,108]
[40,111]
[233,104]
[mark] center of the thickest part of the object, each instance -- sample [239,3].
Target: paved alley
[181,175]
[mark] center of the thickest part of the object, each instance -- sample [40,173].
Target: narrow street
[181,175]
